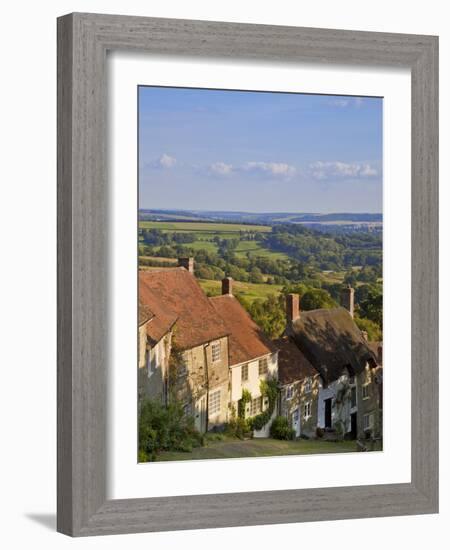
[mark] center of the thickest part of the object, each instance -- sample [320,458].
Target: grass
[236,448]
[203,245]
[255,249]
[250,291]
[160,259]
[202,227]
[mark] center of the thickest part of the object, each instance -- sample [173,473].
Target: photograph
[260,274]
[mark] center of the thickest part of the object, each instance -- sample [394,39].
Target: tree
[256,275]
[269,315]
[373,330]
[372,307]
[316,298]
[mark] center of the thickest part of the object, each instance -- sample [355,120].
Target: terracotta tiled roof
[331,341]
[292,364]
[175,297]
[246,340]
[145,314]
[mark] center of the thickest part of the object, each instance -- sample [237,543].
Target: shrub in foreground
[164,428]
[280,429]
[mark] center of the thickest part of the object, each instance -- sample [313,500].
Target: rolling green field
[250,291]
[212,228]
[235,448]
[205,233]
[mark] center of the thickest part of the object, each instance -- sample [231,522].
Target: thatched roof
[331,341]
[377,349]
[292,364]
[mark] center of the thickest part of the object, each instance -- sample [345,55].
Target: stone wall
[370,388]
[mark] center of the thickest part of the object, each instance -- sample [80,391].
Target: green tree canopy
[316,298]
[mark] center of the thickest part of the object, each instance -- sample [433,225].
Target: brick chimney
[227,286]
[292,308]
[187,263]
[348,299]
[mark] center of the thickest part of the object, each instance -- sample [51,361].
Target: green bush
[238,427]
[165,429]
[269,389]
[280,429]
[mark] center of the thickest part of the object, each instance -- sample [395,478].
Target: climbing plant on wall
[269,389]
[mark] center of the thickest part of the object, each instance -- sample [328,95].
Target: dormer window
[307,386]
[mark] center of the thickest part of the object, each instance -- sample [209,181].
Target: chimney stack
[292,308]
[227,286]
[187,263]
[348,299]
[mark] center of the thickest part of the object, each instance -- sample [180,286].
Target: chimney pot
[292,308]
[227,286]
[348,299]
[187,263]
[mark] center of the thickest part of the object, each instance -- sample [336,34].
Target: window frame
[365,391]
[212,399]
[265,362]
[258,402]
[244,368]
[214,347]
[307,410]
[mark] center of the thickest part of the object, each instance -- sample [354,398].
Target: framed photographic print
[247,237]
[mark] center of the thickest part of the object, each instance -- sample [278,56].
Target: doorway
[353,426]
[328,403]
[296,422]
[200,415]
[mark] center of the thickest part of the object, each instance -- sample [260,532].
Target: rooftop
[175,298]
[330,340]
[247,341]
[292,364]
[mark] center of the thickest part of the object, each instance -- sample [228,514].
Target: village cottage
[186,346]
[370,397]
[209,354]
[252,356]
[201,351]
[299,387]
[346,390]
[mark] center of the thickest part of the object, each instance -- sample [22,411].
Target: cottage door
[354,425]
[200,416]
[296,422]
[328,404]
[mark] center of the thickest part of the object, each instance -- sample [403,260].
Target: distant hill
[269,218]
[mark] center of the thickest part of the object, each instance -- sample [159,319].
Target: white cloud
[321,170]
[277,169]
[165,161]
[346,102]
[339,102]
[221,168]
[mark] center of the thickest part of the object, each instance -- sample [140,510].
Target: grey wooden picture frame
[83,42]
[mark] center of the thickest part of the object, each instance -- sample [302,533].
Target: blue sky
[259,152]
